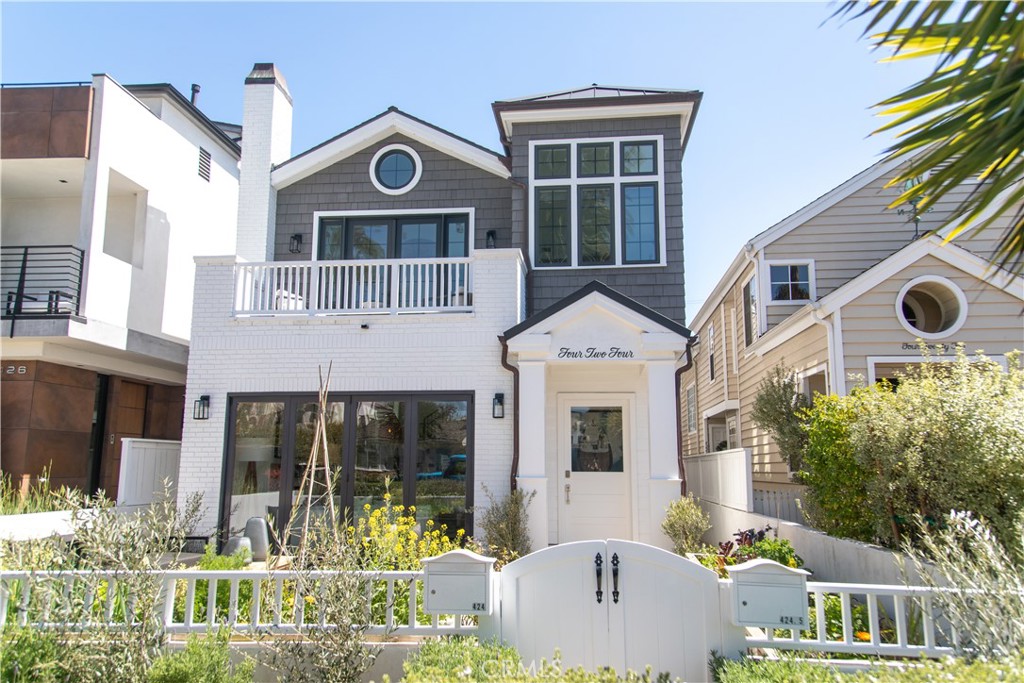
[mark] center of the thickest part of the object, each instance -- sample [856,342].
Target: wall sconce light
[295,243]
[498,406]
[492,237]
[201,408]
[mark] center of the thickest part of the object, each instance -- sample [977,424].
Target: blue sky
[787,93]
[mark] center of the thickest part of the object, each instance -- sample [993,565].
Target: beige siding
[858,232]
[871,328]
[804,351]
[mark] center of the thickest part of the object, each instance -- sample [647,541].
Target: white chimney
[266,140]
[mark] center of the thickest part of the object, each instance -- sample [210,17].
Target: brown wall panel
[62,408]
[49,122]
[16,404]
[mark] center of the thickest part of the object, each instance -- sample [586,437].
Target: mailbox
[458,582]
[768,594]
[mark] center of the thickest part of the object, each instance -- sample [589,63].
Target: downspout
[679,416]
[830,336]
[515,411]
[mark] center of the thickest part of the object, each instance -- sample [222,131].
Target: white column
[661,401]
[532,419]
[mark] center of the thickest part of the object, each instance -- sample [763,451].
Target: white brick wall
[267,126]
[415,352]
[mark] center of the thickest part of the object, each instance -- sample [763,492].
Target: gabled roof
[593,91]
[374,130]
[597,102]
[596,287]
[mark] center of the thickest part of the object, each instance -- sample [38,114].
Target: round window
[931,307]
[395,169]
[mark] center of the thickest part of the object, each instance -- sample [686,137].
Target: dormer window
[791,282]
[597,202]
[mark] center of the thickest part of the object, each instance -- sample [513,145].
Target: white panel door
[595,464]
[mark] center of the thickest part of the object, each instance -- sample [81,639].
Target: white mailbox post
[768,594]
[458,582]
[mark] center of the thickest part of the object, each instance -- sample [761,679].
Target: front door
[595,453]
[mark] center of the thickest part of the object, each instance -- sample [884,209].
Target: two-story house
[490,319]
[842,292]
[108,193]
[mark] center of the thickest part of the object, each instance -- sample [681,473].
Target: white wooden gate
[614,604]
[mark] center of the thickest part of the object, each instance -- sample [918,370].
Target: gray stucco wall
[345,186]
[660,288]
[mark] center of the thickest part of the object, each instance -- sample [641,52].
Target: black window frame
[711,353]
[594,145]
[567,189]
[580,189]
[566,147]
[657,224]
[387,155]
[638,143]
[292,400]
[442,221]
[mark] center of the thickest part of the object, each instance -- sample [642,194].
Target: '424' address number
[792,621]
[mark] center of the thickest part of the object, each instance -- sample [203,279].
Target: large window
[790,282]
[691,408]
[711,353]
[597,202]
[421,445]
[378,237]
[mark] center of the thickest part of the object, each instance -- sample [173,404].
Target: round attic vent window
[395,169]
[931,307]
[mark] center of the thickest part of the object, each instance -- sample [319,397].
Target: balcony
[41,281]
[379,286]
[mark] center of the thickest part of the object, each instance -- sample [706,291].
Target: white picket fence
[279,602]
[779,503]
[901,621]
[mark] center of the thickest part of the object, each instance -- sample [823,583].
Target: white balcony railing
[337,287]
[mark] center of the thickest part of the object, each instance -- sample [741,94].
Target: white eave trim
[375,131]
[621,111]
[719,408]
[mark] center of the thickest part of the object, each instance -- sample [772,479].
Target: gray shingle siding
[660,288]
[345,186]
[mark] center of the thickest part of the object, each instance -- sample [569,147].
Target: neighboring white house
[841,291]
[489,319]
[108,194]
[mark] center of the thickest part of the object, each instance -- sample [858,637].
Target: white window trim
[616,180]
[766,287]
[317,215]
[802,375]
[873,361]
[417,170]
[691,387]
[961,299]
[759,313]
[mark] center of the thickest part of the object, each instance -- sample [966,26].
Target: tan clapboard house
[841,291]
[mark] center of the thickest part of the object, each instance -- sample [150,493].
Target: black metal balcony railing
[41,281]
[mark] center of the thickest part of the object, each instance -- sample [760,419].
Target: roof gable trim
[375,130]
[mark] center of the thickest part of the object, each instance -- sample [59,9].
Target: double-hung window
[597,202]
[751,331]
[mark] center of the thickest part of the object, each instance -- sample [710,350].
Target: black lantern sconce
[492,236]
[201,408]
[295,243]
[498,406]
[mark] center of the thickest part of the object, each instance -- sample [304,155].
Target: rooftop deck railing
[340,287]
[41,280]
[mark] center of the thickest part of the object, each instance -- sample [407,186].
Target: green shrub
[204,660]
[778,549]
[461,659]
[777,409]
[836,500]
[39,497]
[951,437]
[685,523]
[506,527]
[784,670]
[30,655]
